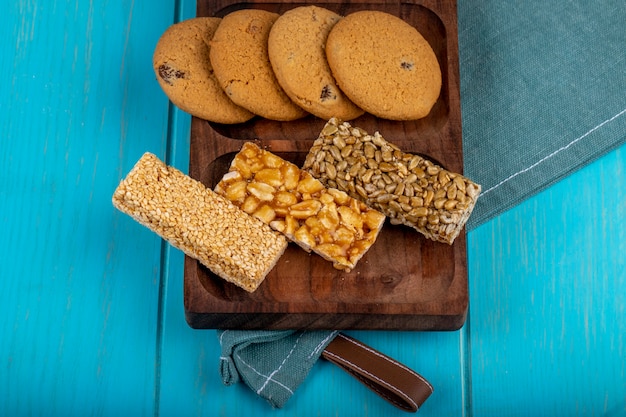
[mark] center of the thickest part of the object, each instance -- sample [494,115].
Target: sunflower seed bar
[235,246]
[407,188]
[326,221]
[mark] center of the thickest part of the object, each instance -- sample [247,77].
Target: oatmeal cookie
[296,48]
[182,67]
[242,66]
[384,65]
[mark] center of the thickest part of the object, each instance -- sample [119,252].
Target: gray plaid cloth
[272,363]
[543,93]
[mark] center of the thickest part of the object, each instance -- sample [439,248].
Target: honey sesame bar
[407,188]
[328,222]
[204,225]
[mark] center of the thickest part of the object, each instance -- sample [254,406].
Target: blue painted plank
[79,281]
[191,385]
[548,297]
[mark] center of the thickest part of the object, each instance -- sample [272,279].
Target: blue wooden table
[92,320]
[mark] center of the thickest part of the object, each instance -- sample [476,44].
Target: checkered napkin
[272,363]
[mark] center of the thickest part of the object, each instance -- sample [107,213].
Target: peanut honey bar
[407,188]
[204,225]
[326,221]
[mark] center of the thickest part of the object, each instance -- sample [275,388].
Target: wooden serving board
[404,282]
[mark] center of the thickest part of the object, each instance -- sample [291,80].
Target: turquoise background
[91,302]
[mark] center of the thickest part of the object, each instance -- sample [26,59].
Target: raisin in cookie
[384,65]
[181,64]
[296,50]
[242,66]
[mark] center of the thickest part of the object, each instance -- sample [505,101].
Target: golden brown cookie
[181,63]
[296,50]
[384,65]
[242,66]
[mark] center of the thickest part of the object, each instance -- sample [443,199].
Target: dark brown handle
[388,378]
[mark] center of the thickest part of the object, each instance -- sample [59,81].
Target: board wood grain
[405,281]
